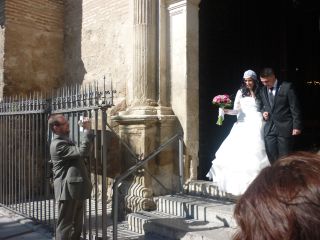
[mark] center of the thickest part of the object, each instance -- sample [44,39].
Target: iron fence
[26,175]
[25,183]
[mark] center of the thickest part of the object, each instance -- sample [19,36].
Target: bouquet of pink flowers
[222,101]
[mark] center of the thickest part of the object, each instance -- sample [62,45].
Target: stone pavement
[17,227]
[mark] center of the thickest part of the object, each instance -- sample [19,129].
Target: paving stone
[16,227]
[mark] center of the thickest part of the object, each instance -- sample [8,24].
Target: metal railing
[25,181]
[23,148]
[25,184]
[139,164]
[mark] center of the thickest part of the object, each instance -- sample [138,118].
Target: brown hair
[283,202]
[266,72]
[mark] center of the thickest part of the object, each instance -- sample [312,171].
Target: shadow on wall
[2,17]
[74,69]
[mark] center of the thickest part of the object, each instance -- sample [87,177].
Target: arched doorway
[238,35]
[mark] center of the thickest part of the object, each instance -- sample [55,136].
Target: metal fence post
[104,173]
[181,164]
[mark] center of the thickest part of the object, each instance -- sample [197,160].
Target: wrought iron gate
[25,172]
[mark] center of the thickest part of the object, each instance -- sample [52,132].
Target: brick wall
[98,42]
[54,42]
[1,46]
[33,45]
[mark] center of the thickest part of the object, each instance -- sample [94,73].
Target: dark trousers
[277,146]
[70,219]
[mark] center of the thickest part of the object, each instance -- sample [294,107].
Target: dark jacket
[285,113]
[70,175]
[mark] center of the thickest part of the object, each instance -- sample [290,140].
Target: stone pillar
[183,23]
[162,76]
[165,78]
[148,122]
[144,50]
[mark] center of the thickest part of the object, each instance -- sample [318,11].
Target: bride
[242,154]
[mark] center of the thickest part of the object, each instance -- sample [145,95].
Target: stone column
[162,60]
[183,23]
[165,79]
[148,122]
[144,50]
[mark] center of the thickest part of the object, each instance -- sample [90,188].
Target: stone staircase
[202,212]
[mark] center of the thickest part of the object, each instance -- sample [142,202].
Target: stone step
[159,226]
[202,212]
[207,189]
[185,217]
[171,233]
[199,208]
[137,220]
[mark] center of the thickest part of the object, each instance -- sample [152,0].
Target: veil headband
[250,74]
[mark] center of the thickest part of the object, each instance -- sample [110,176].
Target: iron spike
[111,92]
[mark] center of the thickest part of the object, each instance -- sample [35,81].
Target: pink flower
[222,101]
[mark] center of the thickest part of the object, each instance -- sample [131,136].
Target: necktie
[271,97]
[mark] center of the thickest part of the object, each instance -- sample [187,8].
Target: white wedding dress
[242,154]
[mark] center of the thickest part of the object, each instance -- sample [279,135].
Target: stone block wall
[98,43]
[33,43]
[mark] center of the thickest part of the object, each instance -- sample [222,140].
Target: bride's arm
[236,105]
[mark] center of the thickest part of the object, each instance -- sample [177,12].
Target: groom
[281,111]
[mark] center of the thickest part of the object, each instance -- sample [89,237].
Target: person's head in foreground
[283,202]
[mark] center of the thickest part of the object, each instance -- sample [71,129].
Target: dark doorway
[246,34]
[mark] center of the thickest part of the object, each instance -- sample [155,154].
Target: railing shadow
[138,165]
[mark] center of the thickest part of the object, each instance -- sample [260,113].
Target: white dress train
[242,154]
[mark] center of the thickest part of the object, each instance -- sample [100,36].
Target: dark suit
[71,183]
[284,116]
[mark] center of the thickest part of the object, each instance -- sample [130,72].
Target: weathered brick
[33,43]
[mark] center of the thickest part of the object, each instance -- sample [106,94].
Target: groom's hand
[265,116]
[296,132]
